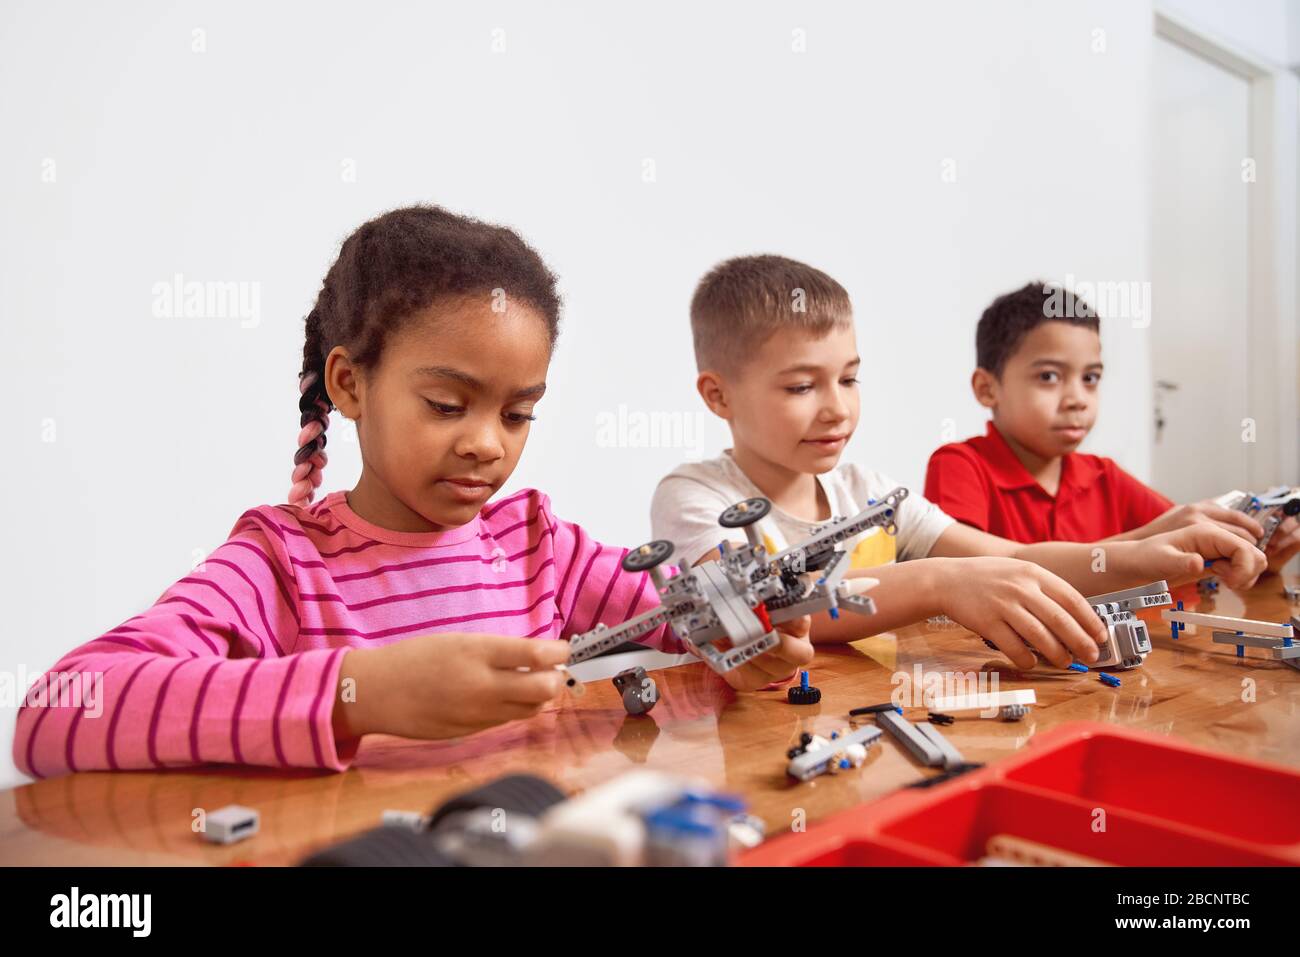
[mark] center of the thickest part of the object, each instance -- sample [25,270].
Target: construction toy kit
[1081,794]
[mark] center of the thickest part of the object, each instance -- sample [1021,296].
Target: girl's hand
[447,685]
[1020,606]
[776,664]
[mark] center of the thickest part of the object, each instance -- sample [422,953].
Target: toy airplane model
[740,597]
[1270,509]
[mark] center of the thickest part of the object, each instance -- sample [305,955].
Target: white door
[1199,272]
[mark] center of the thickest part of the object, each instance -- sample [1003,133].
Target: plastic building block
[1127,639]
[941,719]
[637,689]
[231,823]
[875,709]
[1291,592]
[1283,648]
[803,693]
[989,704]
[1008,850]
[918,743]
[413,820]
[1269,508]
[1079,666]
[947,775]
[817,755]
[740,597]
[1245,625]
[951,756]
[1110,680]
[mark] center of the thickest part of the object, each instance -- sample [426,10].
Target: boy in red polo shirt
[1038,352]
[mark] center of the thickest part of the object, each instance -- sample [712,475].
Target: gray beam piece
[921,747]
[884,513]
[1144,596]
[1251,641]
[951,756]
[811,763]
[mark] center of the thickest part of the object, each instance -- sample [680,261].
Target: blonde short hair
[741,302]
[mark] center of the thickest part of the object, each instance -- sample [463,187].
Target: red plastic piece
[761,611]
[1166,803]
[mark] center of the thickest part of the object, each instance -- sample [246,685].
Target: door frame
[1273,289]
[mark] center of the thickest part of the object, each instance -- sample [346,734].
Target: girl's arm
[205,675]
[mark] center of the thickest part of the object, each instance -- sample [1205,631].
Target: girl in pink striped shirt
[408,605]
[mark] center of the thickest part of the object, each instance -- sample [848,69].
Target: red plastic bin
[1166,803]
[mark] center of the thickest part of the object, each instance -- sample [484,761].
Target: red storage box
[1165,803]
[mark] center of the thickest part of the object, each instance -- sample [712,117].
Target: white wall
[1269,29]
[225,166]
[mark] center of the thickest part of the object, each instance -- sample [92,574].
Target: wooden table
[1191,688]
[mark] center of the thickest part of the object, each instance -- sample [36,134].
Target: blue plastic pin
[1110,680]
[1076,666]
[835,614]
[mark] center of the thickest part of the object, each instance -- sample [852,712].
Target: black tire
[647,556]
[381,847]
[744,513]
[1292,507]
[515,794]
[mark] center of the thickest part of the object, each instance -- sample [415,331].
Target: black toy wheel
[1292,507]
[647,556]
[381,847]
[745,513]
[516,793]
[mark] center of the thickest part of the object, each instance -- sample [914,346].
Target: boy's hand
[1284,545]
[1015,603]
[1180,516]
[1180,556]
[777,664]
[448,685]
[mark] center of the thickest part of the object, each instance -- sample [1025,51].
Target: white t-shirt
[690,498]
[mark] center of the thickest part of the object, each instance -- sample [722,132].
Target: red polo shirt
[982,483]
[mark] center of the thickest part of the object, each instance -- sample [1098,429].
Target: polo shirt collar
[1008,472]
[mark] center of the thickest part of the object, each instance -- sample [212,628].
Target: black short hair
[1011,317]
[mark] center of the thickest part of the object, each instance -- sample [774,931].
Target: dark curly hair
[387,270]
[1011,317]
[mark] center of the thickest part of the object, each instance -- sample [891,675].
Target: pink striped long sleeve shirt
[238,662]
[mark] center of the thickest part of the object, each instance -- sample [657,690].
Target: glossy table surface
[1191,688]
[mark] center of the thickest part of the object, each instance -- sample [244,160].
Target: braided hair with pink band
[310,458]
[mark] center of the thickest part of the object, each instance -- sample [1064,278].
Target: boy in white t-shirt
[778,360]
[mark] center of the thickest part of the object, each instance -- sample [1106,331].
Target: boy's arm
[1007,601]
[1146,512]
[1096,567]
